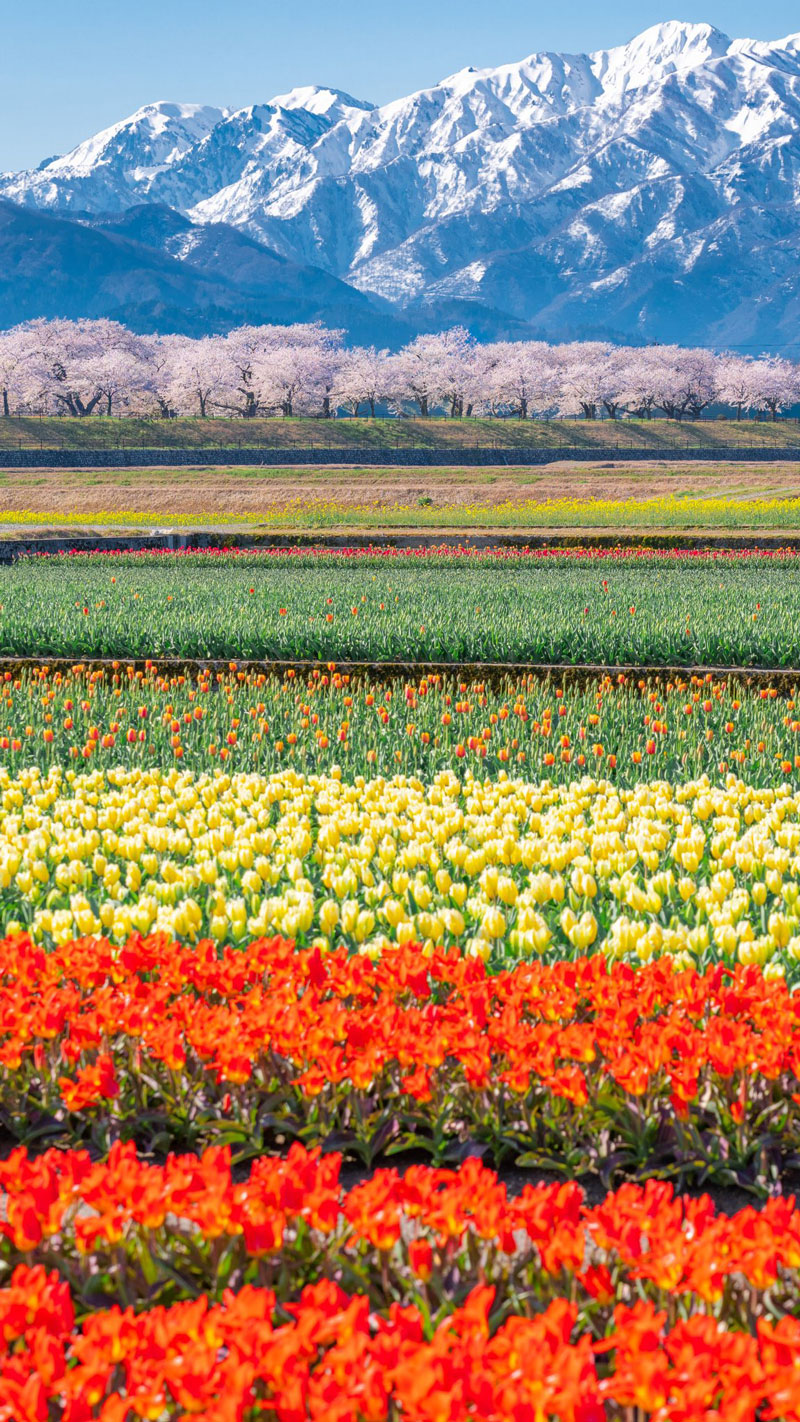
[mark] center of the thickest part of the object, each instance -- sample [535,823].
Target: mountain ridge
[154,271]
[631,188]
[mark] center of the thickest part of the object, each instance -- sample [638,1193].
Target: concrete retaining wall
[271,458]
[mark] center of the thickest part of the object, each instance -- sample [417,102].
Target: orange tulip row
[578,1065]
[247,719]
[328,1356]
[129,1229]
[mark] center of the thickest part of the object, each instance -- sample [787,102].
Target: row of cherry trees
[81,368]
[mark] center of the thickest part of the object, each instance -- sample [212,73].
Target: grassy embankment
[96,432]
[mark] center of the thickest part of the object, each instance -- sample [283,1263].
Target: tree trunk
[372,406]
[108,403]
[86,409]
[6,410]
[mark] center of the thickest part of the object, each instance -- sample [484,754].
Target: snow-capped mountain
[652,189]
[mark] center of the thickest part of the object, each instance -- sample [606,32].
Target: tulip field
[130,1285]
[340,810]
[400,986]
[729,611]
[320,719]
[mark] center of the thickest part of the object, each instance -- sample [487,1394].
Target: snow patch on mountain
[560,187]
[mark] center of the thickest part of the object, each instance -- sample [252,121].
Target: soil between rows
[727,1198]
[564,673]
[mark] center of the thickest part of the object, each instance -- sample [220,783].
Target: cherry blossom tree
[120,373]
[295,379]
[160,355]
[244,349]
[285,375]
[522,378]
[361,379]
[273,367]
[686,381]
[433,372]
[699,375]
[17,381]
[737,383]
[83,366]
[451,356]
[187,376]
[411,381]
[641,380]
[777,384]
[589,379]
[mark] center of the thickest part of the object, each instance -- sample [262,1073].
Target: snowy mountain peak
[695,43]
[330,103]
[673,47]
[165,128]
[164,113]
[629,190]
[131,153]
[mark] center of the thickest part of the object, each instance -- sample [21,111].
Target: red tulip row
[577,1065]
[444,552]
[328,1356]
[128,1229]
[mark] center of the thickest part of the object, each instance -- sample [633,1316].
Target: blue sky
[68,70]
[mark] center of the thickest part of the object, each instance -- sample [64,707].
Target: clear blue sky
[67,70]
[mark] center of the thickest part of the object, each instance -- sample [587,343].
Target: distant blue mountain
[647,192]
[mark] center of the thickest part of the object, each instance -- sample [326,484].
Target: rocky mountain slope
[649,191]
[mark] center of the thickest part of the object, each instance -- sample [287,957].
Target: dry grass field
[575,495]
